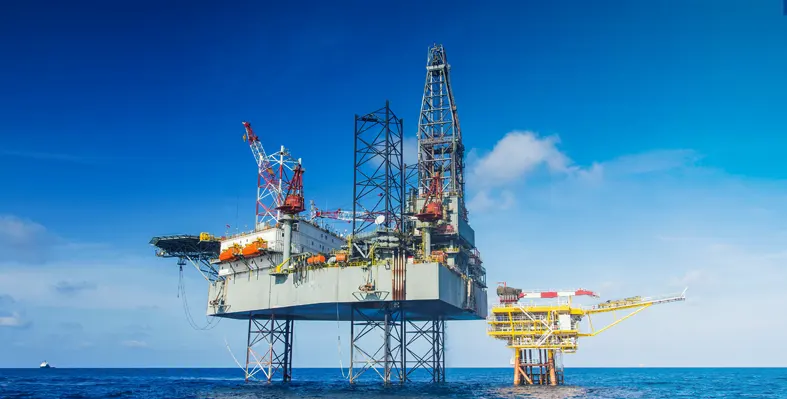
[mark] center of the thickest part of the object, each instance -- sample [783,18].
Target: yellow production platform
[541,330]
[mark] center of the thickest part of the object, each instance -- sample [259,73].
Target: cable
[210,323]
[227,344]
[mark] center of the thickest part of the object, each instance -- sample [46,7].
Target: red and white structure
[512,295]
[556,294]
[274,172]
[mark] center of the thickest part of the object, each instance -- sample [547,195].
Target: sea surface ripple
[645,383]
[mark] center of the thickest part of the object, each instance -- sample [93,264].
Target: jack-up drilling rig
[409,265]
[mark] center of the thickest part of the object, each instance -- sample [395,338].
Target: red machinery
[293,199]
[433,205]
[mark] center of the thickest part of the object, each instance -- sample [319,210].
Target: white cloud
[486,200]
[19,231]
[516,154]
[10,316]
[25,241]
[519,153]
[14,320]
[645,230]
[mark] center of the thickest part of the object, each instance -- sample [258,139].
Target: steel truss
[396,357]
[274,170]
[433,360]
[192,249]
[378,179]
[440,147]
[276,337]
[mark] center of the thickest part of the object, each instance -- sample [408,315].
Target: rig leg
[385,357]
[429,335]
[275,337]
[543,369]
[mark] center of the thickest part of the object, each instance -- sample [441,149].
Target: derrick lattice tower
[440,148]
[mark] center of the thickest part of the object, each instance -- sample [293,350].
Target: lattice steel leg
[432,335]
[385,357]
[275,336]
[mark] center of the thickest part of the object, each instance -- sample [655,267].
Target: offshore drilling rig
[549,325]
[409,265]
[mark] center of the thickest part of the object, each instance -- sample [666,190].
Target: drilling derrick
[439,204]
[440,148]
[549,325]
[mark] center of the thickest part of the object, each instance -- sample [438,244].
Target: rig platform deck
[331,293]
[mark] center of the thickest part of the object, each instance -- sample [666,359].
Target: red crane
[293,200]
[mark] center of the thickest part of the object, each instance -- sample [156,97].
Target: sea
[655,383]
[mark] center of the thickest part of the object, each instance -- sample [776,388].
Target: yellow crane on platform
[550,324]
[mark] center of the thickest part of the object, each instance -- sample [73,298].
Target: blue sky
[620,146]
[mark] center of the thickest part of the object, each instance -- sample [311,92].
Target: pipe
[426,232]
[287,250]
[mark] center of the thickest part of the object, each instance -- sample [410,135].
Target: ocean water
[328,383]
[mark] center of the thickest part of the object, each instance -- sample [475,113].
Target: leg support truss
[367,352]
[269,349]
[431,356]
[405,346]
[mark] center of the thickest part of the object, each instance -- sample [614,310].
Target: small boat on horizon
[45,365]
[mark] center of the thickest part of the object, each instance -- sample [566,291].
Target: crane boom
[268,185]
[275,172]
[634,302]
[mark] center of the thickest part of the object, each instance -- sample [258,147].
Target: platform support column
[537,366]
[269,348]
[431,336]
[367,352]
[551,367]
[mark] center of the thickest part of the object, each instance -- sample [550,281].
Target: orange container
[319,259]
[341,257]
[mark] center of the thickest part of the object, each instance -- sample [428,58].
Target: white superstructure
[306,237]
